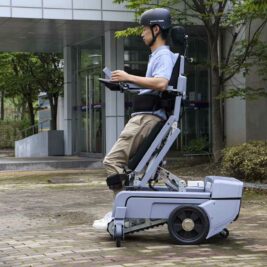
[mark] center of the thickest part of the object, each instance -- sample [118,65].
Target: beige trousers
[134,132]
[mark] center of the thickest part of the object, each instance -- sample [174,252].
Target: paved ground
[46,217]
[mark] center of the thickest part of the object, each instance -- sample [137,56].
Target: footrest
[116,181]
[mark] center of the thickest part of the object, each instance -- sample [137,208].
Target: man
[156,24]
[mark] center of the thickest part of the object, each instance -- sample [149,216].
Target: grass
[252,194]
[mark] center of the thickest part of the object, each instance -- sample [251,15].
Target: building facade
[91,116]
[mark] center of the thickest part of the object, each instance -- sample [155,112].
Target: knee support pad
[117,181]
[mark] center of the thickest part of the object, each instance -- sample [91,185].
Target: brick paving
[44,224]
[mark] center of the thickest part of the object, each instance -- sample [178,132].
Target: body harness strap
[165,100]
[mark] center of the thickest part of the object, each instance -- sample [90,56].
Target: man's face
[147,35]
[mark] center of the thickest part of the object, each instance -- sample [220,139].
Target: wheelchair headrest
[179,38]
[178,35]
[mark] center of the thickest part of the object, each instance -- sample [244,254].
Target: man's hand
[120,76]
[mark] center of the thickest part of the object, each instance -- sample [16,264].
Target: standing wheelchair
[153,196]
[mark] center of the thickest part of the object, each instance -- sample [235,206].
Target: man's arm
[155,83]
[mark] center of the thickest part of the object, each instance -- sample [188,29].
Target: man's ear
[156,29]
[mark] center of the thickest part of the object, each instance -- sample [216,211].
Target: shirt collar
[158,49]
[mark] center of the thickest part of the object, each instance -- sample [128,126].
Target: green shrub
[197,145]
[10,131]
[247,161]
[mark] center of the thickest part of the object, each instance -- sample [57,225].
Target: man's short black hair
[164,34]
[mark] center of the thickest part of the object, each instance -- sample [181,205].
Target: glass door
[91,106]
[90,99]
[91,110]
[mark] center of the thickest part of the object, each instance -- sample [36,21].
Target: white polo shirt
[160,65]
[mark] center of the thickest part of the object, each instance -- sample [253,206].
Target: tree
[20,81]
[3,71]
[2,97]
[2,109]
[236,17]
[24,75]
[16,81]
[49,76]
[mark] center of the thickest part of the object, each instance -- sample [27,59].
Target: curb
[255,186]
[51,165]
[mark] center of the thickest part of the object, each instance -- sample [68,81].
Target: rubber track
[146,228]
[142,228]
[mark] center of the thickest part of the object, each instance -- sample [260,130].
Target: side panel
[221,213]
[156,208]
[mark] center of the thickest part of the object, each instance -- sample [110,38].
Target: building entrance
[91,95]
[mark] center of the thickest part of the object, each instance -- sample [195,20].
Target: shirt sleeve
[162,67]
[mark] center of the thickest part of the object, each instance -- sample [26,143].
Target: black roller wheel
[224,233]
[188,225]
[118,242]
[118,235]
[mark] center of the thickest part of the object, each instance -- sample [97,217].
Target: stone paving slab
[43,224]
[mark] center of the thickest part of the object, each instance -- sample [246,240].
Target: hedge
[247,161]
[10,131]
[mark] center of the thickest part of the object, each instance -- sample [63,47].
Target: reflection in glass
[91,97]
